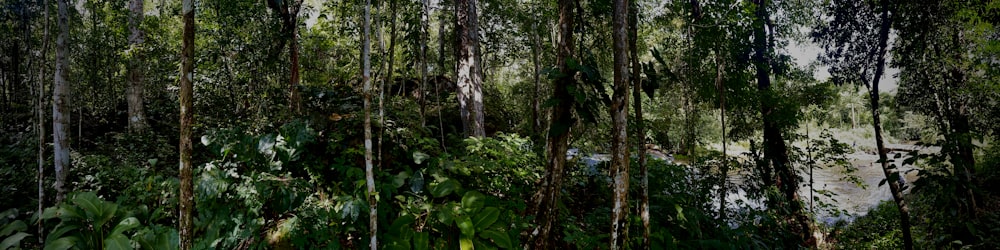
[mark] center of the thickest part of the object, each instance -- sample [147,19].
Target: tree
[849,40]
[561,120]
[136,113]
[775,149]
[366,81]
[186,217]
[61,103]
[942,75]
[288,14]
[469,79]
[619,120]
[640,139]
[40,120]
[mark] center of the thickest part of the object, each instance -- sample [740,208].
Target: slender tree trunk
[470,92]
[437,84]
[295,98]
[369,172]
[536,67]
[61,103]
[136,113]
[890,171]
[40,122]
[724,186]
[775,149]
[640,139]
[619,126]
[547,198]
[424,19]
[186,218]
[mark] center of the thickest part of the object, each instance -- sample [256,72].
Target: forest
[499,124]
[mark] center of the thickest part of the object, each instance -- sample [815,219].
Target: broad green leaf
[125,225]
[472,201]
[465,225]
[465,243]
[60,230]
[12,227]
[401,224]
[400,179]
[421,241]
[446,214]
[500,238]
[485,218]
[61,243]
[13,241]
[445,188]
[419,157]
[117,242]
[50,212]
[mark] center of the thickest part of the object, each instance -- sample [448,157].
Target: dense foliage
[279,147]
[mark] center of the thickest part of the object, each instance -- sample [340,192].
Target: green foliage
[13,231]
[876,230]
[88,222]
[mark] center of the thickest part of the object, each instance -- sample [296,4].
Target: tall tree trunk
[136,113]
[640,139]
[469,80]
[369,172]
[40,121]
[442,71]
[724,186]
[619,126]
[186,218]
[60,103]
[890,171]
[424,19]
[536,67]
[561,120]
[775,149]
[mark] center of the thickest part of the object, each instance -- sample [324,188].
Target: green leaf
[421,241]
[465,243]
[446,214]
[445,188]
[61,243]
[472,201]
[13,241]
[400,179]
[401,224]
[117,242]
[125,225]
[60,230]
[12,227]
[465,225]
[486,218]
[419,157]
[501,239]
[50,212]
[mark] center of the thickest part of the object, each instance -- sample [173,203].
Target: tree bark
[547,198]
[61,103]
[136,112]
[640,139]
[724,186]
[891,173]
[186,217]
[775,149]
[424,19]
[369,172]
[441,68]
[536,74]
[469,80]
[40,121]
[619,126]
